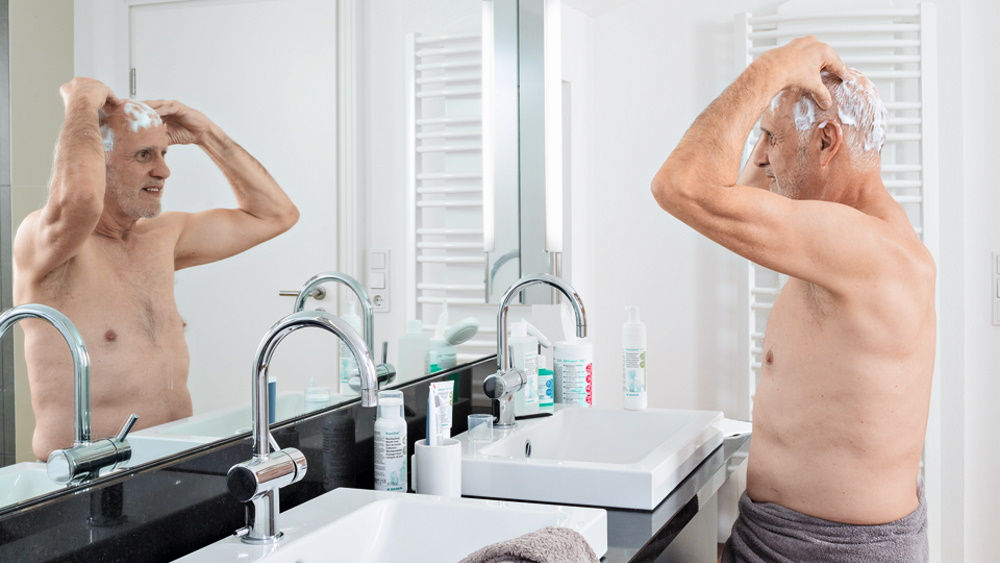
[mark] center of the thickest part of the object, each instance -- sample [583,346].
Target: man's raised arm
[828,243]
[264,212]
[52,235]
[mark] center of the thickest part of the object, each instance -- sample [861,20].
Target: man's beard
[791,183]
[130,200]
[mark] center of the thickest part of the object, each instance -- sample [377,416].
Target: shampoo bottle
[347,363]
[523,356]
[413,348]
[634,360]
[390,443]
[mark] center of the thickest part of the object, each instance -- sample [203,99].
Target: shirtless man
[841,408]
[101,252]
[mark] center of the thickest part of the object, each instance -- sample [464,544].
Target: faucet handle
[127,427]
[385,351]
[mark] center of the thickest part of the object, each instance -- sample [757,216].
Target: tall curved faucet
[85,459]
[502,385]
[259,479]
[385,371]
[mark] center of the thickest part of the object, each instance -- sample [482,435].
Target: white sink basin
[374,526]
[22,481]
[591,456]
[224,423]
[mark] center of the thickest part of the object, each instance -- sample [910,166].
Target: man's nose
[161,170]
[759,156]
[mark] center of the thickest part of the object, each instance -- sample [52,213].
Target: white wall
[980,90]
[651,67]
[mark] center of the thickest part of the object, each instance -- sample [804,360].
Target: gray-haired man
[841,409]
[101,252]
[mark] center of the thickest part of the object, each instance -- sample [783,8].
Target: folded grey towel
[548,545]
[770,533]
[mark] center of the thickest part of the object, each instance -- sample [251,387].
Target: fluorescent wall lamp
[553,126]
[488,130]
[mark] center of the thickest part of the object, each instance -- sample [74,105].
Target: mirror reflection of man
[101,252]
[841,408]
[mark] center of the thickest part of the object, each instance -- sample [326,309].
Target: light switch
[376,280]
[376,260]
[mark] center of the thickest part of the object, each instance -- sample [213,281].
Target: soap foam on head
[141,116]
[859,107]
[138,116]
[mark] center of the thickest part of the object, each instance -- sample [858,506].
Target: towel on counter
[548,545]
[768,532]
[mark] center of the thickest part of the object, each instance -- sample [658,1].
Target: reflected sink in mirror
[22,481]
[171,438]
[591,456]
[228,422]
[373,526]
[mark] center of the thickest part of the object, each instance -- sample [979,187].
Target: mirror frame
[7,437]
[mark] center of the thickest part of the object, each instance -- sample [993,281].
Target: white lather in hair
[139,116]
[859,109]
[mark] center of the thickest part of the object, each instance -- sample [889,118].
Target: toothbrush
[433,419]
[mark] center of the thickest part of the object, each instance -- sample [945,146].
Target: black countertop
[177,505]
[642,535]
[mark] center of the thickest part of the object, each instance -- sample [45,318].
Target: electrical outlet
[377,280]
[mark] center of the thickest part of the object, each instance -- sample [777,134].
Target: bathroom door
[265,72]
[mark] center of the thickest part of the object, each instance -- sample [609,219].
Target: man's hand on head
[93,93]
[800,63]
[185,126]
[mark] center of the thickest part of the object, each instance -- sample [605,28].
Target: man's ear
[831,139]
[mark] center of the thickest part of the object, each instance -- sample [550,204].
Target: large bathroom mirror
[392,126]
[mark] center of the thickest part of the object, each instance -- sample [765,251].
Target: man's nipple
[110,336]
[769,358]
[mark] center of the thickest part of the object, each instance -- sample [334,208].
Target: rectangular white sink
[364,526]
[591,456]
[25,480]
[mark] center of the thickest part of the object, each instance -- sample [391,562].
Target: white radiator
[445,259]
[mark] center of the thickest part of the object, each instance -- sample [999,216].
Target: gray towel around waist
[768,532]
[548,545]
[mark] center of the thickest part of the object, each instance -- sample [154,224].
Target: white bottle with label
[348,365]
[572,364]
[523,351]
[413,348]
[390,443]
[634,361]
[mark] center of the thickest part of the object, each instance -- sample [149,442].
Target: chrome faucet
[384,371]
[86,458]
[502,385]
[259,479]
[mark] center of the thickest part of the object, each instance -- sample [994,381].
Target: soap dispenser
[414,346]
[634,361]
[524,357]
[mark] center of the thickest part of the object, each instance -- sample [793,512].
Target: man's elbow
[667,191]
[288,218]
